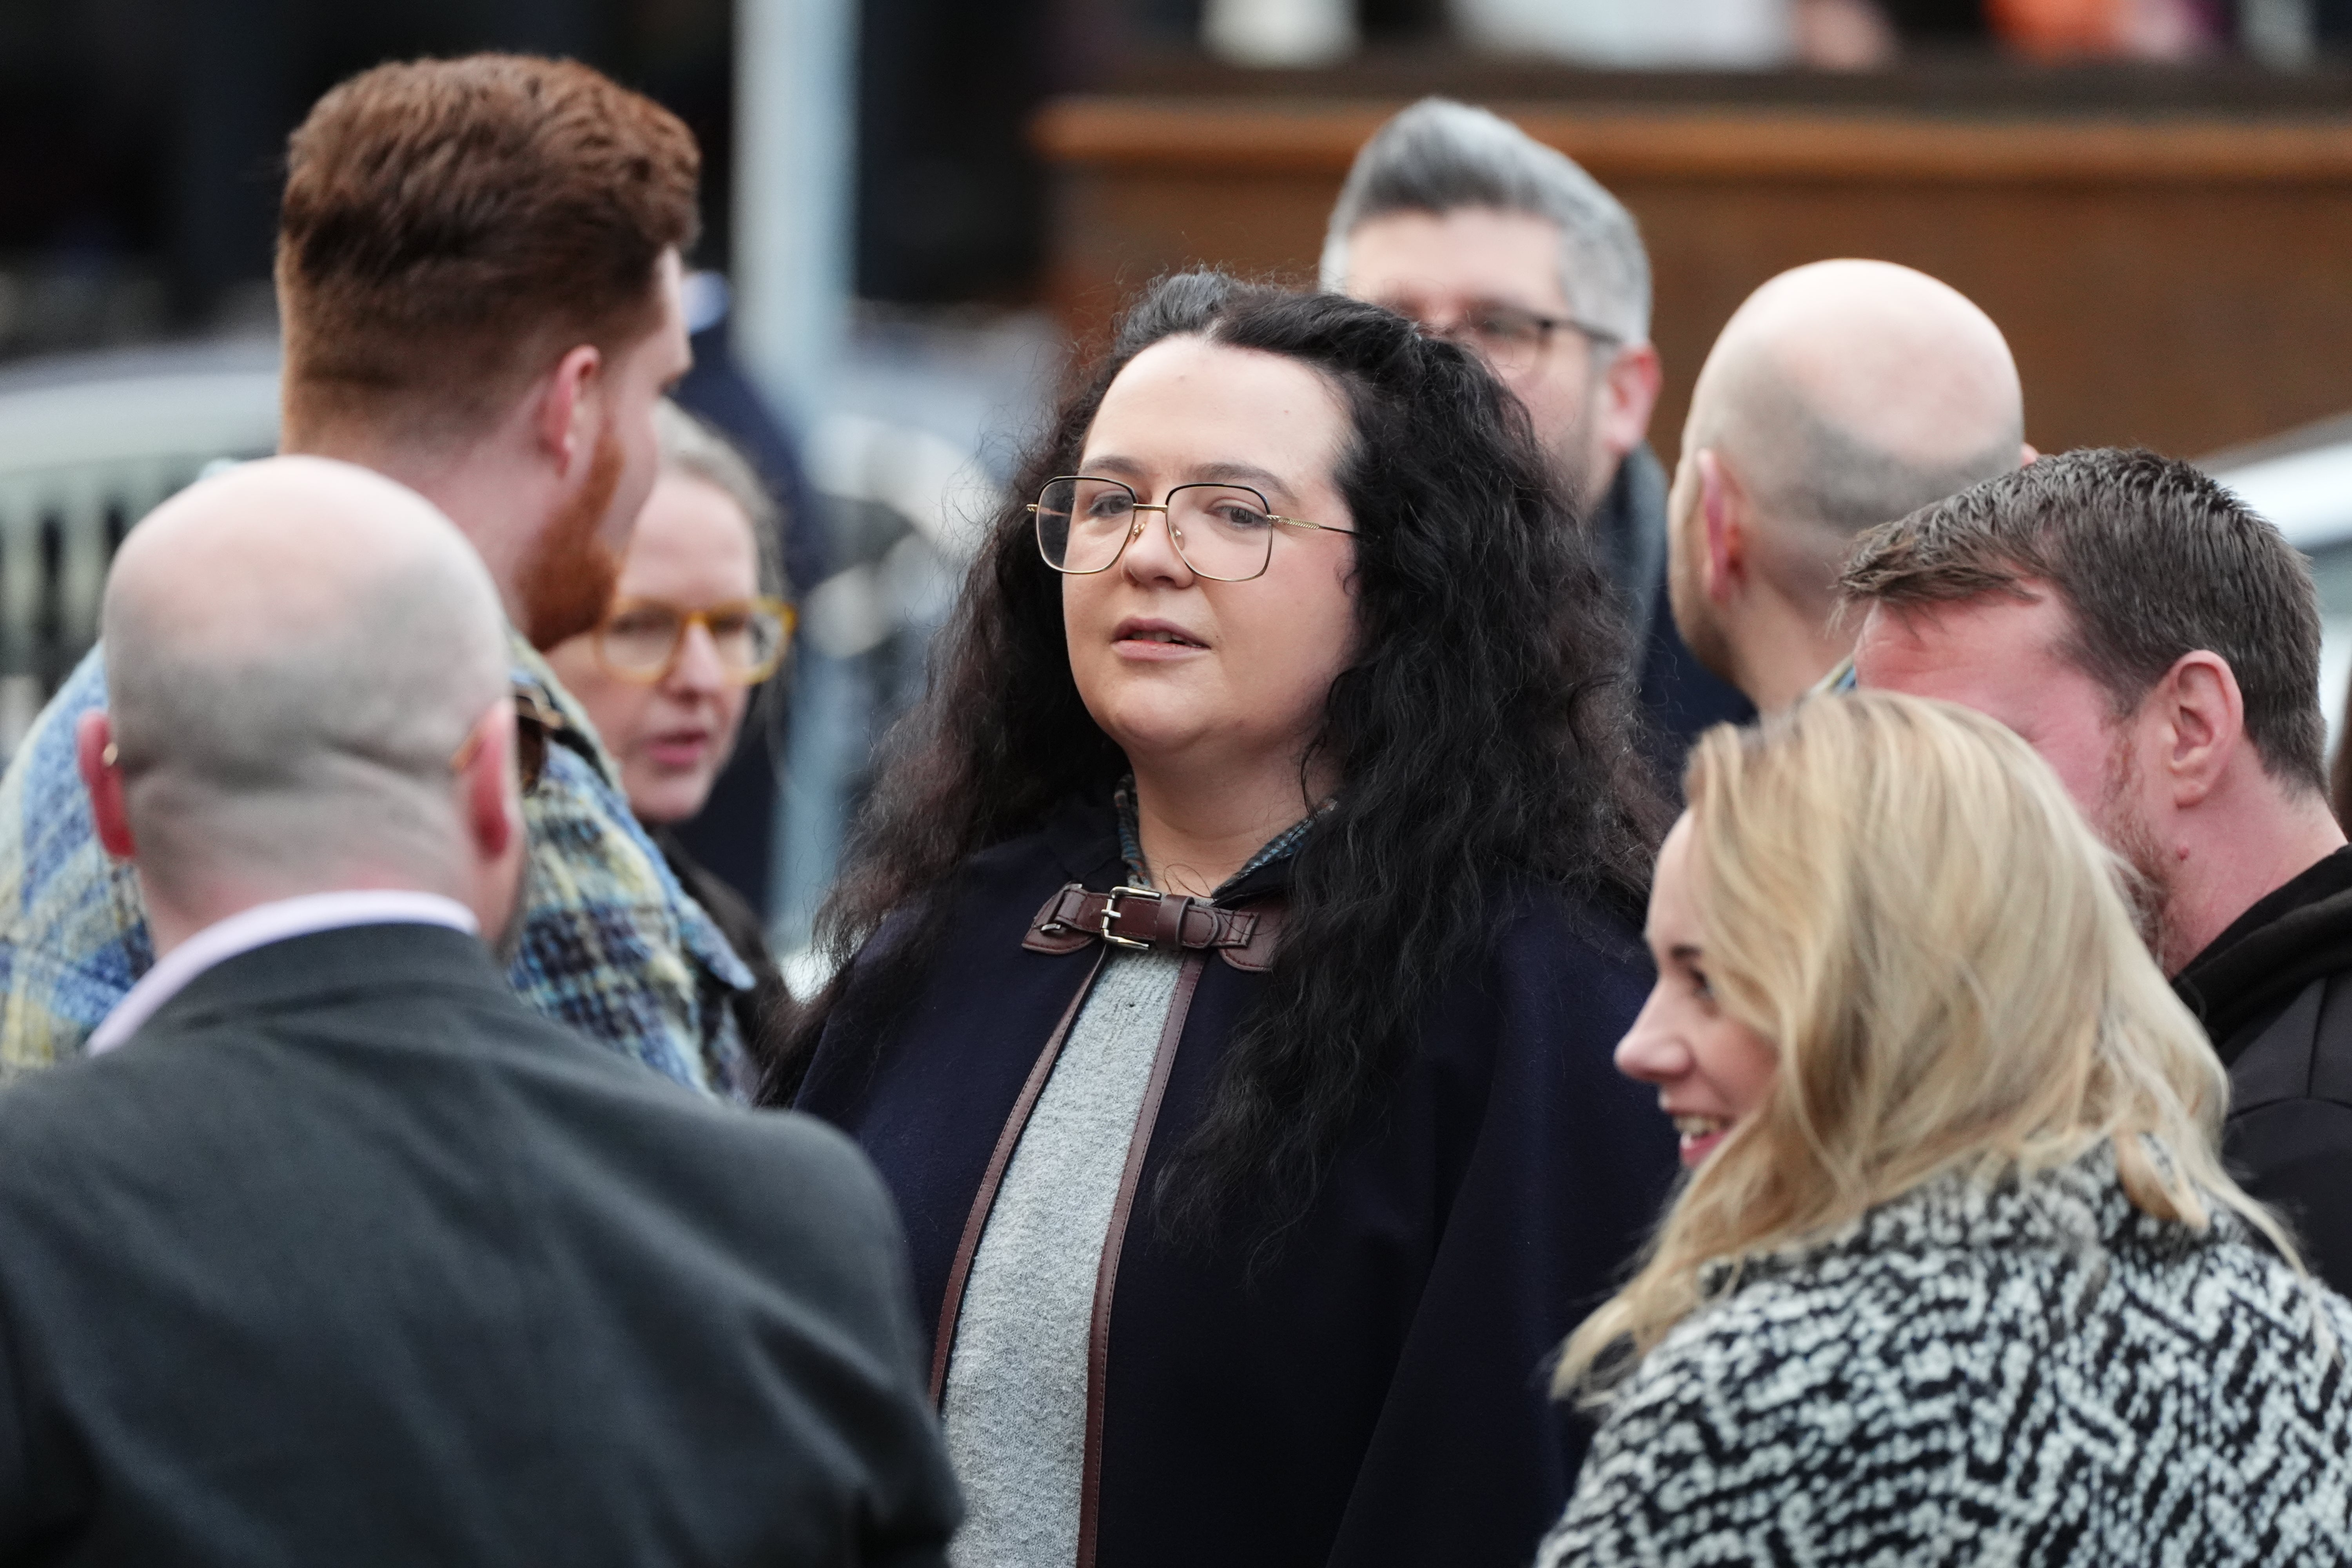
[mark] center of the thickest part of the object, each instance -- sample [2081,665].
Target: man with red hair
[478,266]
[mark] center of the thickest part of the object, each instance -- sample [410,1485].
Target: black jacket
[349,1258]
[1376,1396]
[2274,992]
[1679,697]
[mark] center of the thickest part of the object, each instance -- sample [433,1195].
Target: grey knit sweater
[1015,1411]
[2034,1375]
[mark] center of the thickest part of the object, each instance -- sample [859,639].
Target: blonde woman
[1956,1276]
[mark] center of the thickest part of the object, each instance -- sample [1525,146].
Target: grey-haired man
[1459,219]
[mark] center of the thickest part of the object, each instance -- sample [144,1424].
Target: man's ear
[94,755]
[489,797]
[2204,718]
[1627,392]
[565,422]
[1724,560]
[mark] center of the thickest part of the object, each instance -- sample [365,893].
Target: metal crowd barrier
[89,446]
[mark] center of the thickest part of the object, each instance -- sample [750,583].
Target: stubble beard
[1572,465]
[1688,602]
[570,576]
[2148,888]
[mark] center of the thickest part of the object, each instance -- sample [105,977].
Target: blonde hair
[1898,894]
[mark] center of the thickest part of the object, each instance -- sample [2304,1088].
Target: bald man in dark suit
[335,1252]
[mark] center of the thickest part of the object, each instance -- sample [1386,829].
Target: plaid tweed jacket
[611,945]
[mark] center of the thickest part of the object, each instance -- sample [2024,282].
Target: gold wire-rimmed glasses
[641,639]
[1224,533]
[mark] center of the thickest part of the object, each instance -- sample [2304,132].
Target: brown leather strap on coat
[1139,1145]
[1075,917]
[975,1222]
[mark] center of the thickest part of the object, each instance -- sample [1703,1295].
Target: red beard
[568,578]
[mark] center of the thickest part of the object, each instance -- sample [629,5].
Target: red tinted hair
[450,227]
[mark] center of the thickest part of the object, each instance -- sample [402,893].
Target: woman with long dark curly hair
[1233,954]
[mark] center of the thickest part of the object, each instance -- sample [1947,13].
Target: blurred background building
[917,210]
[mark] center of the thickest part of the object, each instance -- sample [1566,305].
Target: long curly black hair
[1483,737]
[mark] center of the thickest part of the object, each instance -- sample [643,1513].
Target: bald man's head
[294,651]
[1841,395]
[1848,393]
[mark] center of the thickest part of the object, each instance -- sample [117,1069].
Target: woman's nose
[1151,552]
[698,669]
[1651,1052]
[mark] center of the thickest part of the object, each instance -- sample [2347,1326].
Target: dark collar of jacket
[1373,1396]
[1628,530]
[2295,934]
[345,965]
[2271,991]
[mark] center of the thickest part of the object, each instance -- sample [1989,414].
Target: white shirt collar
[266,923]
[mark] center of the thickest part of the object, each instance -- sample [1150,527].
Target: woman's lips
[1151,640]
[1150,652]
[1700,1134]
[679,748]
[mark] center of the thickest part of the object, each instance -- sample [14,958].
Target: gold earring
[110,757]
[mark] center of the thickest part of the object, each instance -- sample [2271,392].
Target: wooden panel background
[2182,281]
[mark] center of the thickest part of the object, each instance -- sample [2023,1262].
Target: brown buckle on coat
[1075,917]
[1114,913]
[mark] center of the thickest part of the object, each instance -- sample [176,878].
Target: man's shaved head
[1847,393]
[294,650]
[1841,395]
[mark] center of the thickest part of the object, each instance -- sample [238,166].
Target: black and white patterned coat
[2033,1374]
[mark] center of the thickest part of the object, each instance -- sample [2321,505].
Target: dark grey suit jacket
[349,1258]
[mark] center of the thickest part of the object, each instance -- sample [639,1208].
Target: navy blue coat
[1377,1396]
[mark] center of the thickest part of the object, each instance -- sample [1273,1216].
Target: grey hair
[691,447]
[1440,155]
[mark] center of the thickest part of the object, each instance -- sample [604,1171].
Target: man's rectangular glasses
[1510,338]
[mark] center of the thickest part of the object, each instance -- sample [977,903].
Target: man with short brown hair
[2159,644]
[478,274]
